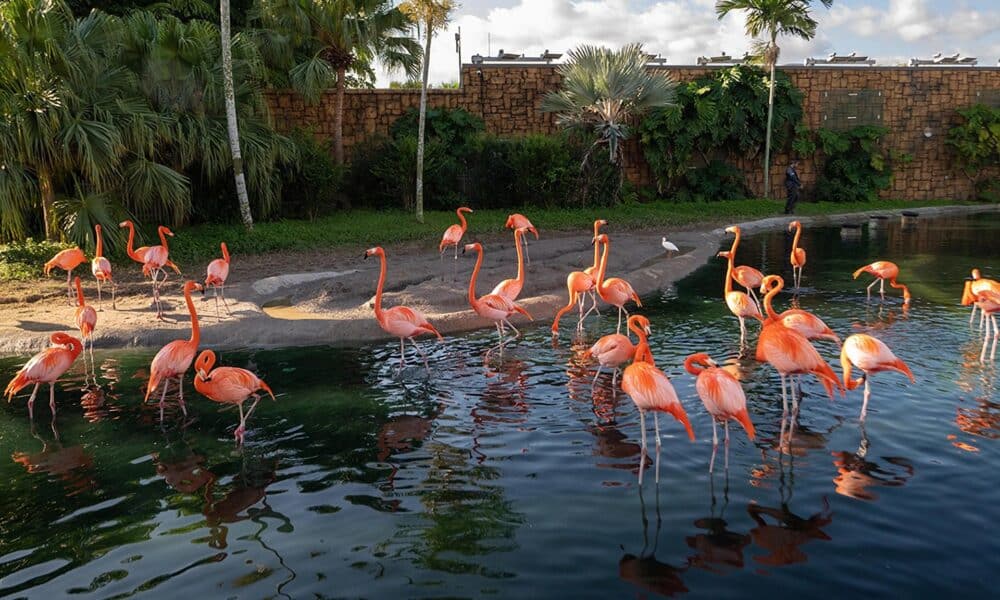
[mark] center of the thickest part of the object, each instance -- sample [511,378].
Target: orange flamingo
[592,269]
[228,385]
[216,275]
[988,302]
[798,256]
[579,283]
[615,349]
[101,268]
[174,359]
[884,270]
[518,221]
[615,291]
[66,260]
[805,322]
[139,254]
[738,302]
[511,288]
[650,389]
[871,355]
[45,367]
[748,277]
[154,261]
[399,321]
[494,307]
[972,288]
[722,396]
[453,235]
[86,320]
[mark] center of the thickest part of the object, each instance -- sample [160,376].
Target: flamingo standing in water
[722,396]
[798,255]
[615,291]
[748,277]
[871,355]
[884,270]
[494,307]
[972,289]
[650,389]
[399,321]
[738,302]
[615,349]
[228,385]
[988,302]
[101,268]
[518,221]
[511,288]
[139,254]
[86,320]
[174,359]
[45,367]
[216,275]
[66,260]
[155,259]
[453,235]
[805,322]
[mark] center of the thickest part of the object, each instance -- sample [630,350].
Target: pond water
[516,481]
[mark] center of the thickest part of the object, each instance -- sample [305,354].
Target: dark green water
[517,482]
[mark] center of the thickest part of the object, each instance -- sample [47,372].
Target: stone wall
[508,98]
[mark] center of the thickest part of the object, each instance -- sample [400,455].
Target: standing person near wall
[792,186]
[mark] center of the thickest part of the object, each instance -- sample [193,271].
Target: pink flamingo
[722,396]
[174,359]
[453,235]
[748,277]
[988,302]
[579,283]
[494,307]
[805,322]
[615,291]
[739,303]
[139,254]
[45,367]
[518,221]
[399,321]
[86,320]
[228,385]
[615,349]
[101,268]
[972,288]
[798,255]
[511,288]
[884,270]
[871,355]
[216,275]
[66,260]
[154,261]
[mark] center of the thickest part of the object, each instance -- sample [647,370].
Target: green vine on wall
[856,164]
[976,142]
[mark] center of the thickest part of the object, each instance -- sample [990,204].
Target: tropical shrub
[855,164]
[311,187]
[976,143]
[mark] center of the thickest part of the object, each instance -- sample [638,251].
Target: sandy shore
[319,298]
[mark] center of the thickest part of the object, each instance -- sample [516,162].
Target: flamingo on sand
[399,321]
[739,303]
[494,307]
[615,291]
[174,359]
[228,385]
[615,349]
[518,221]
[453,235]
[155,259]
[579,283]
[746,276]
[988,302]
[973,287]
[805,322]
[871,355]
[101,268]
[884,270]
[139,254]
[798,255]
[86,320]
[511,288]
[45,367]
[650,389]
[66,260]
[216,275]
[722,396]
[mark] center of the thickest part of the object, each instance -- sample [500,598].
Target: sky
[891,31]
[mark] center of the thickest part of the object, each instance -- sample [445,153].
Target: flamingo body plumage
[454,233]
[722,396]
[883,271]
[228,385]
[175,358]
[45,367]
[870,355]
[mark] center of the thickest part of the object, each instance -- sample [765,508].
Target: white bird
[669,246]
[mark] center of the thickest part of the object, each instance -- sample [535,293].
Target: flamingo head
[600,223]
[163,229]
[600,239]
[465,209]
[770,282]
[723,254]
[639,323]
[190,286]
[794,225]
[376,251]
[125,224]
[203,365]
[473,247]
[97,228]
[701,359]
[510,222]
[976,274]
[733,229]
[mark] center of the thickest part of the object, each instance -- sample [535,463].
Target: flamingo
[615,349]
[174,359]
[883,270]
[988,302]
[453,235]
[399,321]
[579,283]
[216,275]
[972,288]
[739,303]
[518,221]
[871,355]
[614,291]
[66,260]
[101,268]
[139,254]
[748,277]
[45,367]
[722,396]
[494,307]
[154,260]
[511,288]
[228,385]
[650,389]
[86,320]
[805,322]
[798,255]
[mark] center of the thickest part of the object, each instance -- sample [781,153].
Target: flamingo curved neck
[602,269]
[461,219]
[736,243]
[795,240]
[729,273]
[472,282]
[163,239]
[100,242]
[225,252]
[769,301]
[692,366]
[79,293]
[520,256]
[195,330]
[378,291]
[130,248]
[597,245]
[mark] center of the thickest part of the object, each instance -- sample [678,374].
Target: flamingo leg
[656,426]
[715,446]
[642,454]
[784,411]
[238,434]
[972,316]
[215,294]
[996,335]
[596,375]
[402,356]
[52,397]
[864,403]
[620,309]
[755,300]
[163,396]
[31,402]
[614,378]
[93,364]
[180,383]
[743,331]
[881,288]
[727,445]
[222,292]
[420,352]
[99,307]
[69,288]
[986,340]
[870,286]
[114,293]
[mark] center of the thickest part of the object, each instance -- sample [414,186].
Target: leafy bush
[454,128]
[312,187]
[976,142]
[24,260]
[856,165]
[716,181]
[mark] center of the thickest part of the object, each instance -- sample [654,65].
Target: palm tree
[233,128]
[603,92]
[432,15]
[320,41]
[772,18]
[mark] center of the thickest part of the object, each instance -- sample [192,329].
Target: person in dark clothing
[792,185]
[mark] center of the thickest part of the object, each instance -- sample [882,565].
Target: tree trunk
[233,127]
[767,132]
[338,117]
[421,125]
[48,205]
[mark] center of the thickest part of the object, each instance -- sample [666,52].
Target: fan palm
[772,18]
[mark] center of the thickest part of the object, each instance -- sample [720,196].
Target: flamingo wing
[230,384]
[217,272]
[650,389]
[741,305]
[451,237]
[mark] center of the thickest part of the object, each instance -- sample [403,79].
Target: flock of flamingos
[784,341]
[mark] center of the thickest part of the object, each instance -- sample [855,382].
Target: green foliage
[312,186]
[24,260]
[976,143]
[856,166]
[716,181]
[455,129]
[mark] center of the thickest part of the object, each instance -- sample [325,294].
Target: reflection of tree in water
[855,473]
[718,548]
[644,571]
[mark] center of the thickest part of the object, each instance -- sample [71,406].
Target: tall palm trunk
[233,127]
[422,126]
[773,58]
[48,205]
[338,117]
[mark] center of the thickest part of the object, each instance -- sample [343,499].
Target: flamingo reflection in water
[644,571]
[401,434]
[503,402]
[855,473]
[719,548]
[72,465]
[783,539]
[181,467]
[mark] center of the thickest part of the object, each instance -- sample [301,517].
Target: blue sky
[891,31]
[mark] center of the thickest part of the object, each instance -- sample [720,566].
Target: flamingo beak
[648,330]
[364,256]
[712,363]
